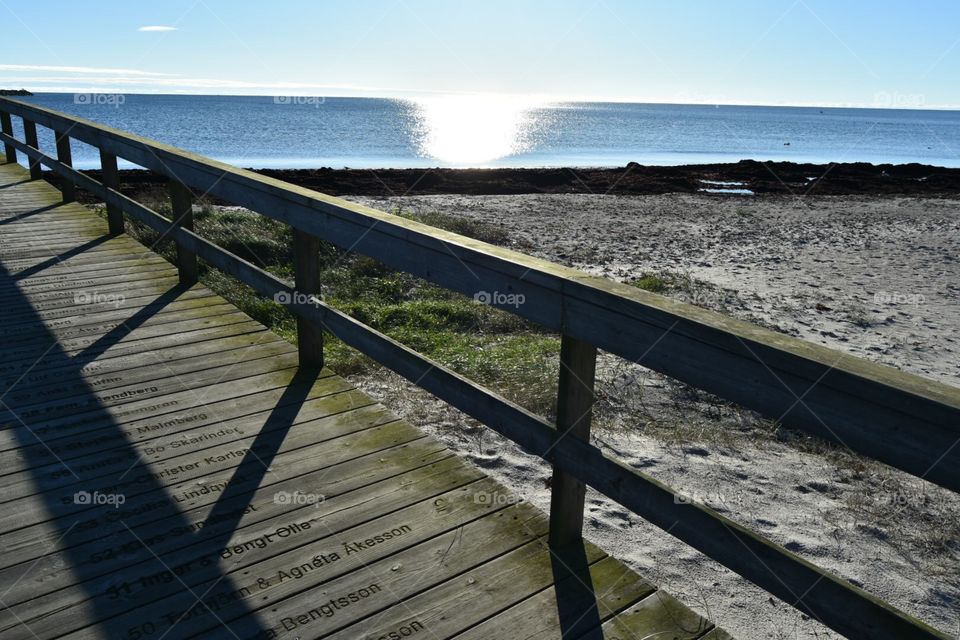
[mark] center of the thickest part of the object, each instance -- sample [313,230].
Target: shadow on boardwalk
[121,534]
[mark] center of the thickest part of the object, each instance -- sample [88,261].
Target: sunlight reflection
[474,129]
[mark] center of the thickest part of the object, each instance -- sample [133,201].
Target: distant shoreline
[752,177]
[413,96]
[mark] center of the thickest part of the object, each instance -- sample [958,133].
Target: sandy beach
[877,277]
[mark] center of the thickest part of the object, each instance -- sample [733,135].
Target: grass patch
[489,346]
[653,283]
[686,288]
[475,229]
[670,282]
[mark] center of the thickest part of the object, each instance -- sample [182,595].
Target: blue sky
[807,52]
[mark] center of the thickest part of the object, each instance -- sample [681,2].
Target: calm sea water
[259,132]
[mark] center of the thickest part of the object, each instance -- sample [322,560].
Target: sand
[873,276]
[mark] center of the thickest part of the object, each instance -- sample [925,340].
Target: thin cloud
[80,70]
[171,82]
[157,27]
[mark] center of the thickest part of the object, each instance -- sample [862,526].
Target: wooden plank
[56,248]
[365,425]
[327,528]
[158,287]
[65,273]
[195,501]
[257,371]
[105,308]
[173,375]
[280,600]
[110,373]
[35,344]
[368,490]
[48,255]
[40,219]
[288,401]
[457,605]
[93,347]
[65,307]
[576,606]
[21,241]
[53,222]
[17,229]
[127,253]
[578,361]
[145,482]
[329,399]
[60,419]
[46,271]
[155,280]
[251,497]
[79,264]
[340,411]
[26,203]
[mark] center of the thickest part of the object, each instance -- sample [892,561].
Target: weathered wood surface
[6,125]
[575,398]
[306,269]
[233,494]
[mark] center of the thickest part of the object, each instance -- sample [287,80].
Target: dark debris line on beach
[785,178]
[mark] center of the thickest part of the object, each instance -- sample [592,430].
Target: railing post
[30,137]
[578,361]
[181,205]
[111,179]
[64,156]
[6,124]
[306,269]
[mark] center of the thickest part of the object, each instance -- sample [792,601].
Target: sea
[493,131]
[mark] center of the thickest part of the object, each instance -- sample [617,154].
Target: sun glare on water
[474,130]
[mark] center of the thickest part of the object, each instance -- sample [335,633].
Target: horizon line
[544,100]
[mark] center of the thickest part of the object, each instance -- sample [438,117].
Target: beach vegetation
[490,346]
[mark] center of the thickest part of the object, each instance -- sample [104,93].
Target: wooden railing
[904,420]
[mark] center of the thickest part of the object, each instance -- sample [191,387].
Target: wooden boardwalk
[169,472]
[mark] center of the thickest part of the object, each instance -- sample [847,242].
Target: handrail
[902,419]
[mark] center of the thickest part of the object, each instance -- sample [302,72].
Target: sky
[797,52]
